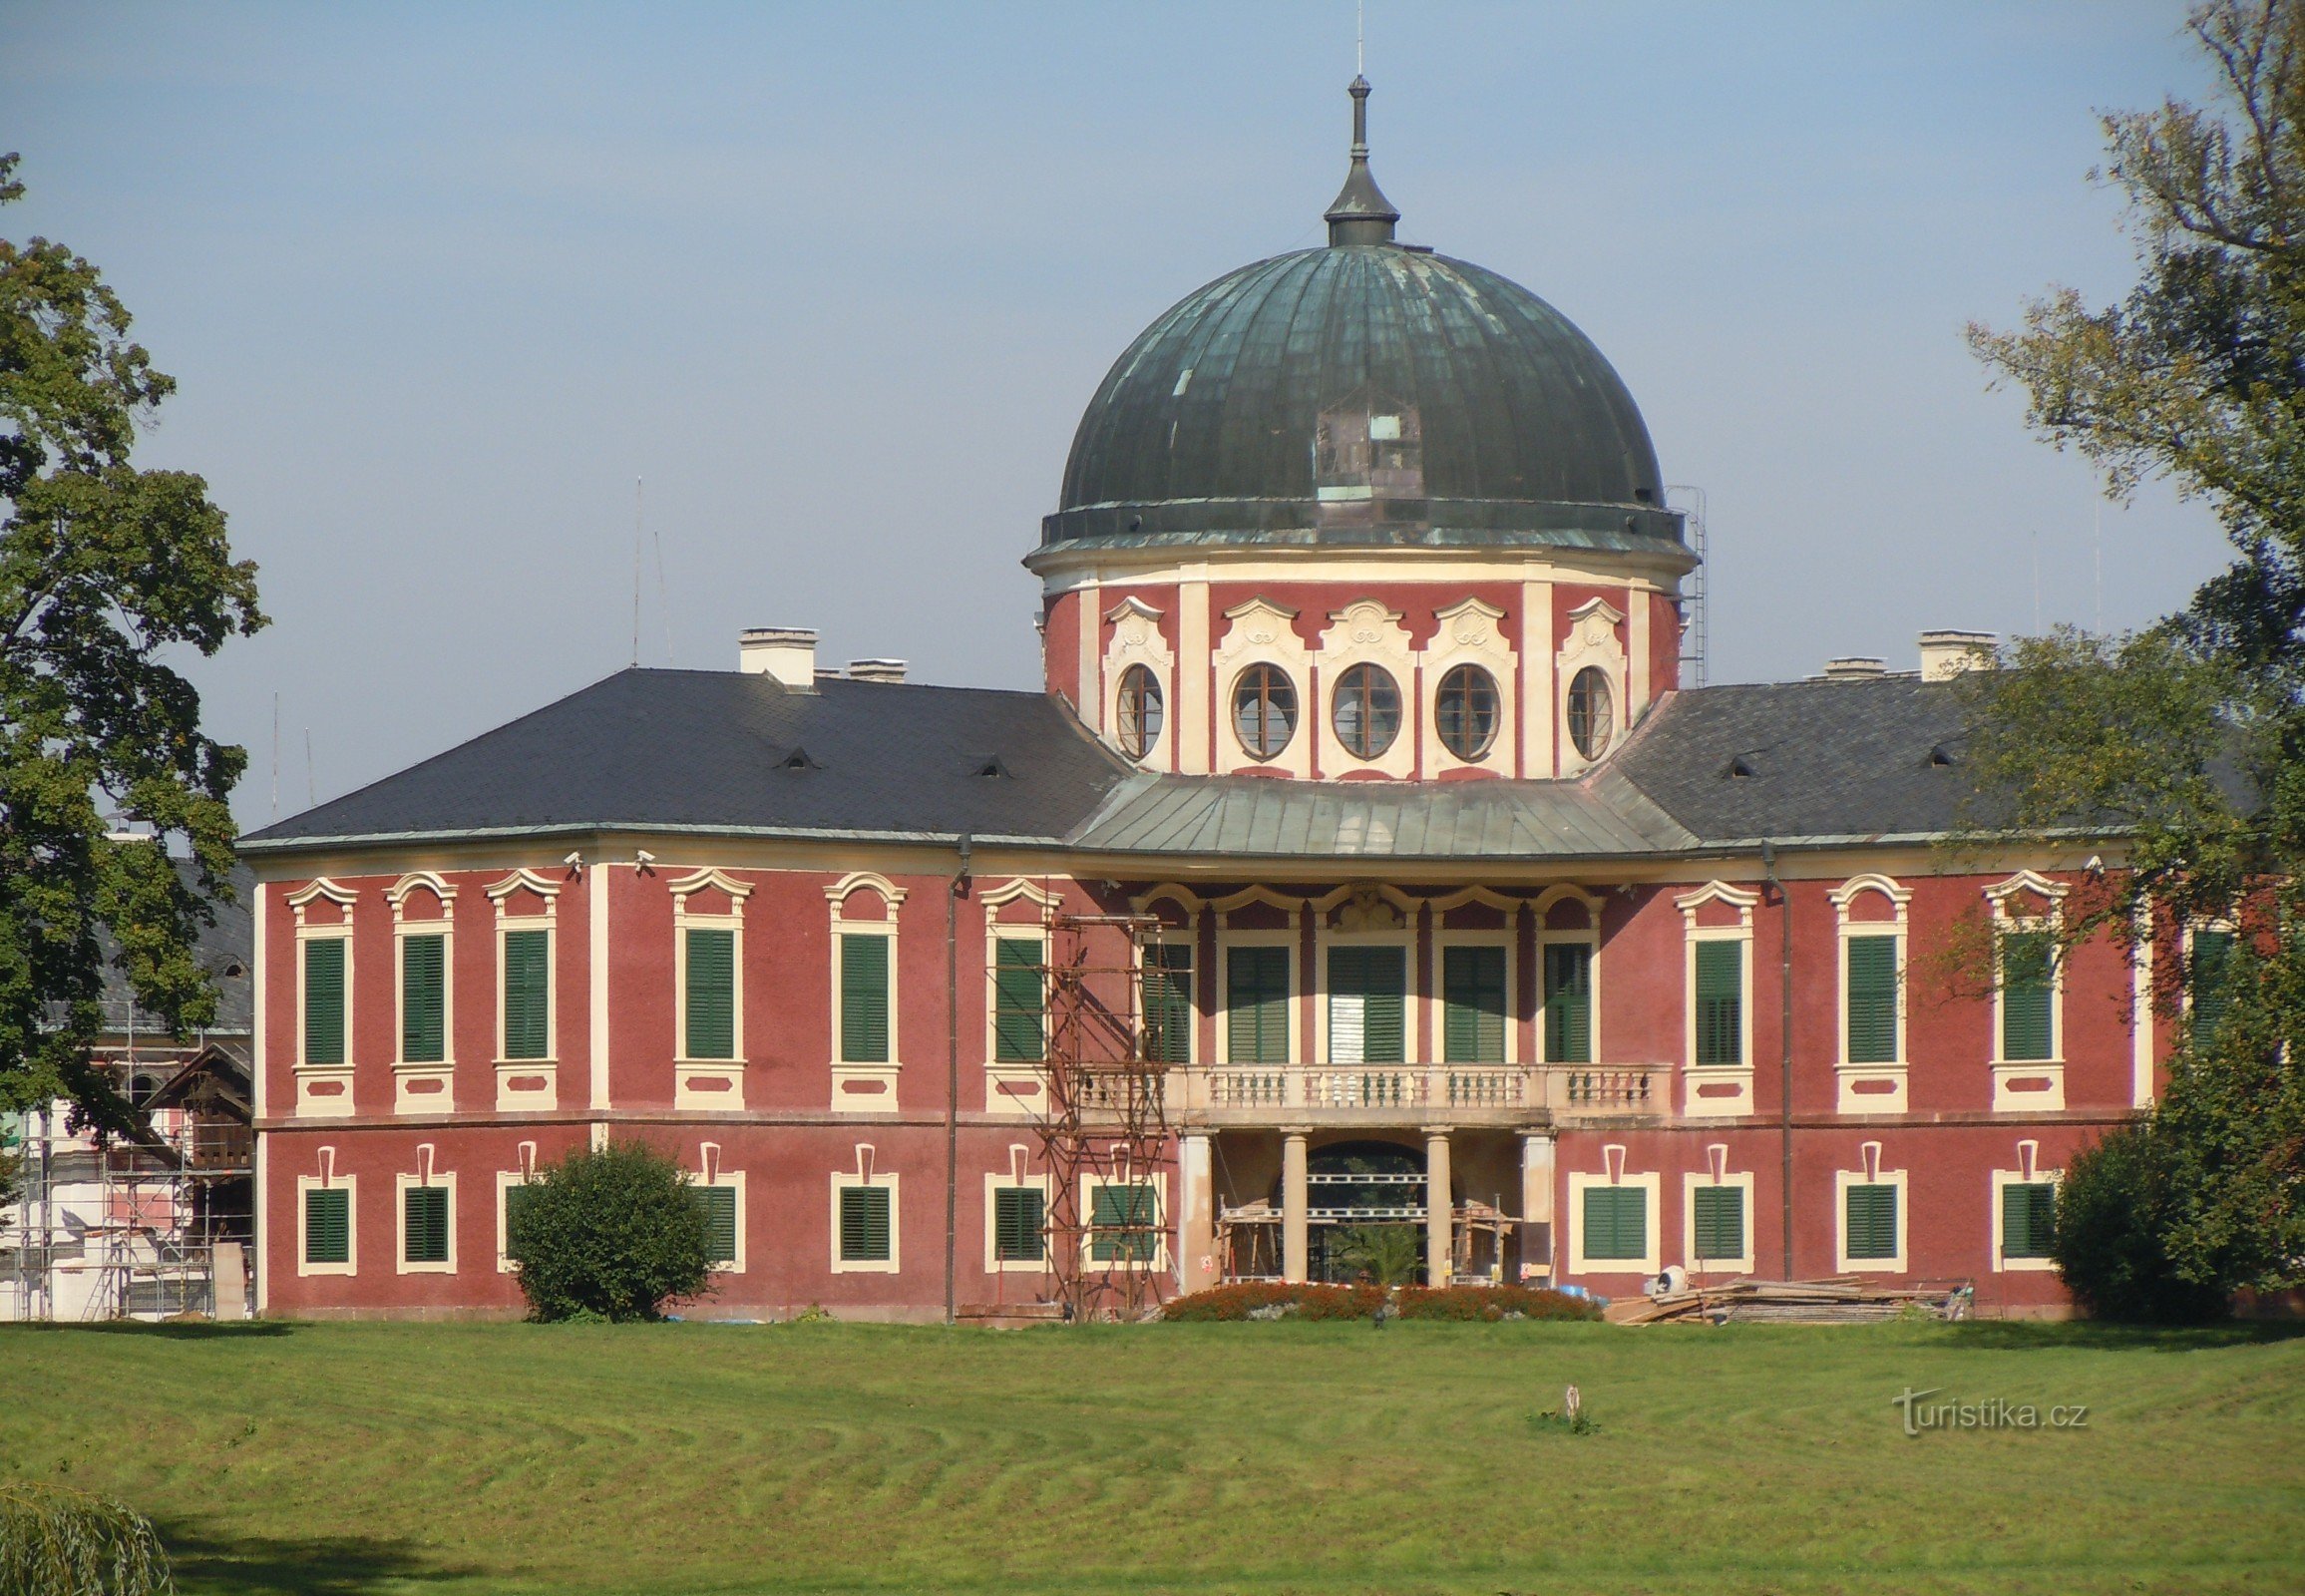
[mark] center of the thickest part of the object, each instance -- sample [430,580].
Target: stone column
[1295,1251]
[1537,1202]
[1197,1230]
[1438,1259]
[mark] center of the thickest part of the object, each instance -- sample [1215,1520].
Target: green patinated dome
[1364,393]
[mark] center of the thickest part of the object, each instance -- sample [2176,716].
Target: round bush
[613,1233]
[2116,1203]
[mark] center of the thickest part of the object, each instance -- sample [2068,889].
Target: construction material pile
[1836,1300]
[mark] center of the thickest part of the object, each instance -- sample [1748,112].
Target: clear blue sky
[439,282]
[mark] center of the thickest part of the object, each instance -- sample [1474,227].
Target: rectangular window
[1368,999]
[1872,999]
[1616,1222]
[328,1225]
[1720,1003]
[1018,1212]
[325,1000]
[864,1223]
[1872,1221]
[1257,1005]
[1472,1005]
[1720,1222]
[1168,1003]
[528,994]
[718,1206]
[863,998]
[517,1198]
[2026,992]
[1123,1224]
[711,978]
[423,1000]
[2027,1219]
[425,1224]
[1568,1002]
[2213,956]
[1020,1000]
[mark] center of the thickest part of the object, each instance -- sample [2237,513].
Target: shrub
[1385,1255]
[613,1234]
[60,1542]
[1246,1297]
[2115,1207]
[1492,1303]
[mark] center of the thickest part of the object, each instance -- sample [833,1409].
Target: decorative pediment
[543,886]
[860,881]
[1469,623]
[1717,892]
[2003,895]
[1259,624]
[737,891]
[318,889]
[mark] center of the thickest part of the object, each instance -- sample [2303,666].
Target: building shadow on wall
[254,1565]
[2020,1334]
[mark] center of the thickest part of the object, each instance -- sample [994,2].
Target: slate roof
[727,752]
[1803,759]
[716,751]
[225,950]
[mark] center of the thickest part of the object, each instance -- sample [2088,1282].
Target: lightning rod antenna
[1359,38]
[637,520]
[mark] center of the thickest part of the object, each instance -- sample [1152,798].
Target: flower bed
[1268,1299]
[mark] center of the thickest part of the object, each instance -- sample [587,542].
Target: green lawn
[1220,1457]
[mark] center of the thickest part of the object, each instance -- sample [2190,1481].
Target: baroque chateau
[1365,862]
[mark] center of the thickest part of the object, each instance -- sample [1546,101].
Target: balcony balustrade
[1241,1094]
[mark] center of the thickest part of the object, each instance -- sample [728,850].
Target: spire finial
[1361,213]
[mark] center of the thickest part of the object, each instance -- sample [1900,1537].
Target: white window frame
[686,919]
[350,1186]
[841,1181]
[1189,938]
[997,932]
[444,927]
[2006,924]
[548,923]
[1412,1017]
[1581,1182]
[1590,938]
[1002,1180]
[401,1185]
[892,899]
[1443,940]
[2026,1174]
[1227,941]
[339,930]
[1871,1175]
[733,1180]
[1898,926]
[1089,1186]
[1691,1184]
[507,1179]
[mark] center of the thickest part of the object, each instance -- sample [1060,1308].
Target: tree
[610,1234]
[104,569]
[2189,737]
[1383,1255]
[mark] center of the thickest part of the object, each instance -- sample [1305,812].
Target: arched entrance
[1365,1214]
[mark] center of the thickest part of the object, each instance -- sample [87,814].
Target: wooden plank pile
[1836,1300]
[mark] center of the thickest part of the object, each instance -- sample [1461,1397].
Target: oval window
[1465,711]
[1138,721]
[1264,711]
[1366,711]
[1591,712]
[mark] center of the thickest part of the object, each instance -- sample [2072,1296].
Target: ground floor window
[1019,1220]
[864,1223]
[1124,1223]
[2027,1219]
[719,1205]
[1616,1222]
[328,1226]
[1718,1231]
[1869,1222]
[425,1228]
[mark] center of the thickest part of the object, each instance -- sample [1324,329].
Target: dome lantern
[1360,213]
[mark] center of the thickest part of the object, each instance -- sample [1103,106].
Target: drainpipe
[1784,1028]
[952,1072]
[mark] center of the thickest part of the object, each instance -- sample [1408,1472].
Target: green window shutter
[1168,1003]
[528,993]
[711,978]
[423,1000]
[2026,993]
[1872,999]
[863,1224]
[1018,1001]
[2212,957]
[1368,1002]
[2027,1219]
[863,998]
[1257,1005]
[325,1000]
[1018,1216]
[718,1206]
[1472,1005]
[516,1199]
[1616,1222]
[1121,1224]
[328,1225]
[1720,1003]
[1720,1222]
[1568,1002]
[425,1224]
[1872,1221]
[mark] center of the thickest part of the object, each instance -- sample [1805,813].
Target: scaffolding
[1103,1126]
